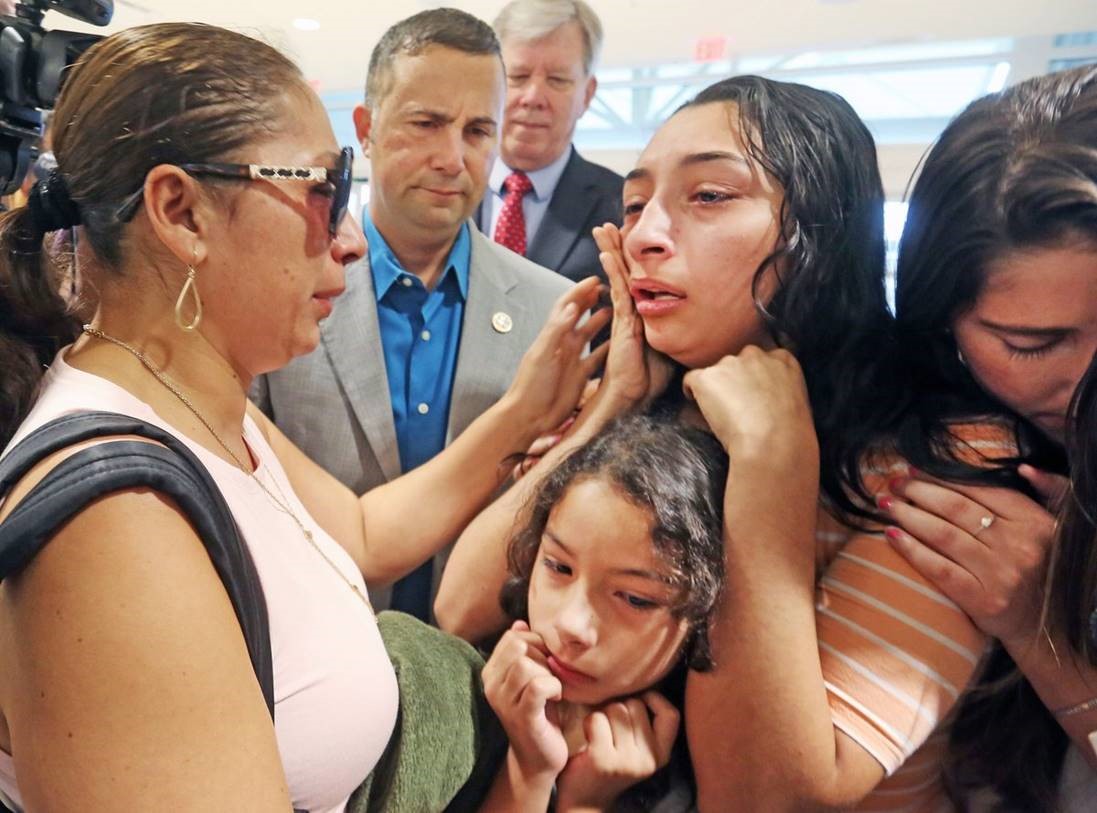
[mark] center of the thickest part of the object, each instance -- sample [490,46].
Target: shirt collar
[544,180]
[386,268]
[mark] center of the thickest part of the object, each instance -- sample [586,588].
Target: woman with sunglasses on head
[210,197]
[996,307]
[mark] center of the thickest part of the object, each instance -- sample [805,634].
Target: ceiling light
[306,24]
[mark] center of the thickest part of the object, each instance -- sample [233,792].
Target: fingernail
[893,533]
[884,502]
[896,483]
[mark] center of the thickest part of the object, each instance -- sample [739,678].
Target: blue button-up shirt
[420,335]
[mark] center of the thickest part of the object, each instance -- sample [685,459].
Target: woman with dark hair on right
[1073,605]
[996,309]
[1072,584]
[1072,608]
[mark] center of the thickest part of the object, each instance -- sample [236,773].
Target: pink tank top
[335,692]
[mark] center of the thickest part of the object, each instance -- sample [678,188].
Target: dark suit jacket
[586,196]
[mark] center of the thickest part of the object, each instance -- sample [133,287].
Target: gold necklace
[281,504]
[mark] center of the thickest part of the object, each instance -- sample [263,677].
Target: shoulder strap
[120,464]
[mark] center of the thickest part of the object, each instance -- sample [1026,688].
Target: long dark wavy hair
[677,474]
[1072,605]
[1015,170]
[830,307]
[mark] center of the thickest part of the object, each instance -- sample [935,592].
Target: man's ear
[178,213]
[588,94]
[363,125]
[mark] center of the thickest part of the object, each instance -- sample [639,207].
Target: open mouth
[655,299]
[646,289]
[655,296]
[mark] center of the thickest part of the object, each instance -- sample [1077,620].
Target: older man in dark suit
[544,198]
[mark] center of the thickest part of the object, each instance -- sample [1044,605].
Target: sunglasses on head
[338,178]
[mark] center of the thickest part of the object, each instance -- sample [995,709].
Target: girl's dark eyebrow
[1023,330]
[553,538]
[690,160]
[711,155]
[643,574]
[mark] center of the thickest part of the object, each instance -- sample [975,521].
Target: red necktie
[510,229]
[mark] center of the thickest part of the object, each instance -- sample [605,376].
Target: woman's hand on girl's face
[985,548]
[635,374]
[627,741]
[553,371]
[544,444]
[522,691]
[756,402]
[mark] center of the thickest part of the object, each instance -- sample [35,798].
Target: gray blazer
[587,195]
[334,403]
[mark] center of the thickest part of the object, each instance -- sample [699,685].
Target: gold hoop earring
[189,287]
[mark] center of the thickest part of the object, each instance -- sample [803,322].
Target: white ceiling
[637,31]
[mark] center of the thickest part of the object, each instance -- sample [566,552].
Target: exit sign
[710,49]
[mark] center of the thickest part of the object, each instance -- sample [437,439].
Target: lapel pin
[502,322]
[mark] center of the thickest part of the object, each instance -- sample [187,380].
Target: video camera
[32,65]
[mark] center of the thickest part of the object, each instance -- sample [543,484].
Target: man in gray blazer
[436,317]
[550,48]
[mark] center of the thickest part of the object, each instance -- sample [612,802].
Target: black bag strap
[171,469]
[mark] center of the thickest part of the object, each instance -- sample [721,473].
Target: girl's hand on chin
[756,403]
[523,692]
[627,741]
[635,374]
